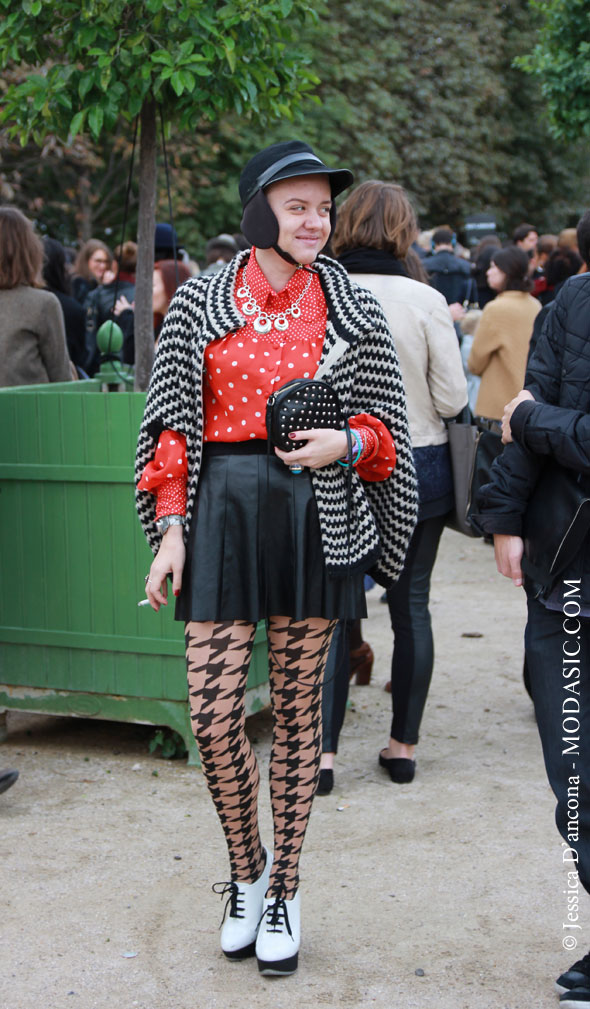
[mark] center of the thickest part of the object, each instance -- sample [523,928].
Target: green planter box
[72,638]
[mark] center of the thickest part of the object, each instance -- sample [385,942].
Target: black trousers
[557,648]
[413,649]
[335,692]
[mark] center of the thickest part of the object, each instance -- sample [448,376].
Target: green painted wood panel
[73,554]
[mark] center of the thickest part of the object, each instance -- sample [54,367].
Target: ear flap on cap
[259,223]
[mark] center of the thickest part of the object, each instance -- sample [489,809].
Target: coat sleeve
[446,379]
[485,342]
[171,394]
[52,344]
[555,431]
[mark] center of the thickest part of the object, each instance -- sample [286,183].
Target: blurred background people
[93,259]
[57,280]
[33,345]
[100,303]
[168,276]
[525,237]
[448,273]
[218,252]
[568,239]
[166,243]
[500,345]
[481,258]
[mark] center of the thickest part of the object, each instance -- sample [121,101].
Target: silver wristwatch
[166,521]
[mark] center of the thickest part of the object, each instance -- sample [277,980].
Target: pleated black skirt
[255,550]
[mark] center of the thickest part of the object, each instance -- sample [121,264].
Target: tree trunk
[144,325]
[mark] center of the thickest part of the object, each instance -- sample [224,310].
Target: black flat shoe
[7,778]
[401,769]
[326,782]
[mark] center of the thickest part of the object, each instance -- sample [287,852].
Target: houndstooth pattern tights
[218,656]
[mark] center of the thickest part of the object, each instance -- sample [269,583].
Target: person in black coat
[57,281]
[549,423]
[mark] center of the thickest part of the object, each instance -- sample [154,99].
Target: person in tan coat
[501,342]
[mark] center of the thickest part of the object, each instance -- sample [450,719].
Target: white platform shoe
[245,903]
[279,935]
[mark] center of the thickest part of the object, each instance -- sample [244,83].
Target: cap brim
[340,178]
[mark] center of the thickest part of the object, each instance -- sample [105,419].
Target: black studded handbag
[301,405]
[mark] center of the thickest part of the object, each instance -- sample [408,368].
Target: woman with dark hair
[32,336]
[269,534]
[57,281]
[373,240]
[482,257]
[500,345]
[560,264]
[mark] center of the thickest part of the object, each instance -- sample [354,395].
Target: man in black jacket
[550,420]
[447,272]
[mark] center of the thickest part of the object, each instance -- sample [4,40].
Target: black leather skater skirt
[255,551]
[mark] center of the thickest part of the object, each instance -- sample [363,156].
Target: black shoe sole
[401,769]
[280,968]
[241,954]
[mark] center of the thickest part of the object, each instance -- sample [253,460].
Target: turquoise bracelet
[359,450]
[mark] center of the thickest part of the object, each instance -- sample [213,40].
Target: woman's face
[159,296]
[496,277]
[302,208]
[98,263]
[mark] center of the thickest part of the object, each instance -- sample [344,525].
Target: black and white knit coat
[360,363]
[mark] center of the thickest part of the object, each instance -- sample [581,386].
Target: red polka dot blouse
[242,369]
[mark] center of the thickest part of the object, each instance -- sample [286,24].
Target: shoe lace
[277,916]
[235,899]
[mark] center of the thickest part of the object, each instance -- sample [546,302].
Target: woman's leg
[218,656]
[301,649]
[413,651]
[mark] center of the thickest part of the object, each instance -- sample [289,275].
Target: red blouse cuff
[168,463]
[378,460]
[171,497]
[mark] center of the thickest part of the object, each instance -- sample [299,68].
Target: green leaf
[231,59]
[85,85]
[177,84]
[161,56]
[95,120]
[77,123]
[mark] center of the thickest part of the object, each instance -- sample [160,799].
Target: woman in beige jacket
[375,230]
[501,342]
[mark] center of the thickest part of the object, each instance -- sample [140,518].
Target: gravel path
[443,894]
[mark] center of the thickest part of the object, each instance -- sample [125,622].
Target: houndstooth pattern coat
[358,360]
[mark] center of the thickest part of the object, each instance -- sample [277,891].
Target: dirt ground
[443,894]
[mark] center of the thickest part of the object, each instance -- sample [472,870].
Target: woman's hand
[168,560]
[509,410]
[323,446]
[122,305]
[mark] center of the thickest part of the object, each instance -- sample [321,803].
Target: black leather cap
[285,161]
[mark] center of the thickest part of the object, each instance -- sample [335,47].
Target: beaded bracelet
[359,450]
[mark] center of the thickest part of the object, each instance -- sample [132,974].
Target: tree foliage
[561,63]
[86,62]
[423,94]
[83,64]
